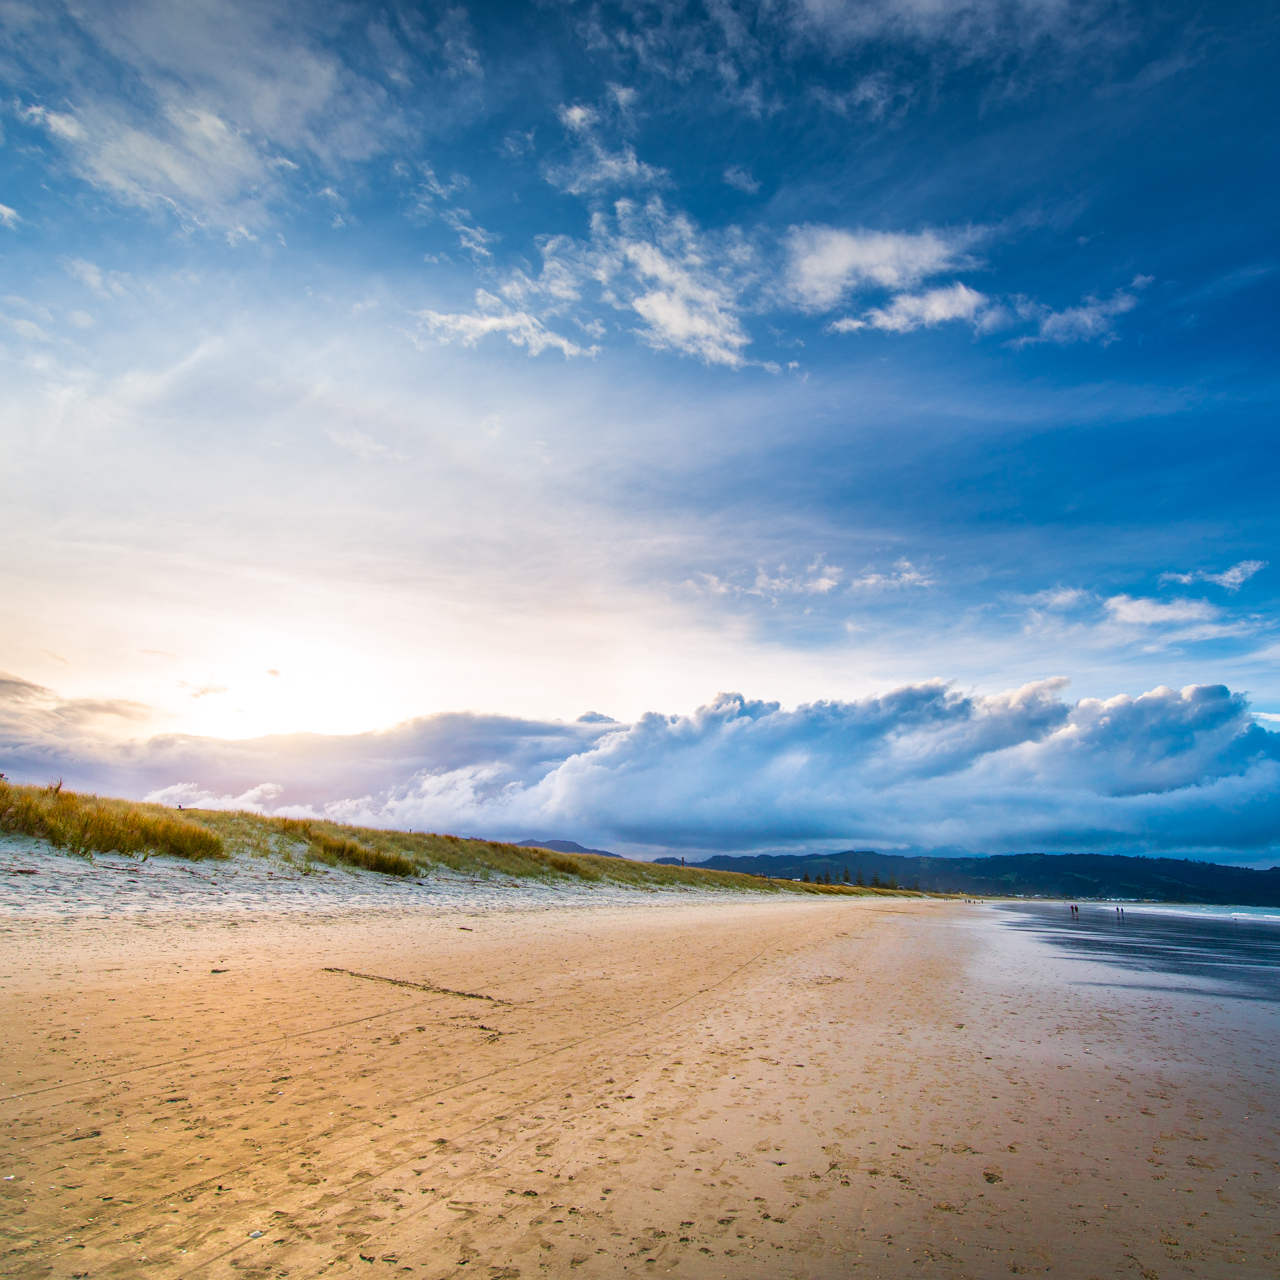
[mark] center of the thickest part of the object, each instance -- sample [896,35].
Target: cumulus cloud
[826,264]
[923,765]
[264,798]
[44,735]
[1232,579]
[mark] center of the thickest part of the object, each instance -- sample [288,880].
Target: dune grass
[408,853]
[85,824]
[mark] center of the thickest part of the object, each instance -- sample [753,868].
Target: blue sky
[443,373]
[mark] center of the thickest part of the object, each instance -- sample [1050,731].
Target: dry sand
[708,1088]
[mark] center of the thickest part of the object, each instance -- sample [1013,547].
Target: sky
[679,427]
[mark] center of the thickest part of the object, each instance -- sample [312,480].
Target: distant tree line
[1059,875]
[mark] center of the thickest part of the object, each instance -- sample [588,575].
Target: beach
[710,1085]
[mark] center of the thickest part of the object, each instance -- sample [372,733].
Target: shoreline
[738,1087]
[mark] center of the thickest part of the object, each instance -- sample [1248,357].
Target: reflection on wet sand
[1222,955]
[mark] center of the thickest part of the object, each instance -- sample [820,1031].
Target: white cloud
[923,765]
[819,578]
[263,798]
[27,329]
[104,284]
[474,239]
[58,123]
[684,285]
[688,305]
[577,119]
[971,30]
[207,97]
[1232,579]
[10,217]
[595,168]
[1170,622]
[826,264]
[738,178]
[904,574]
[907,312]
[1088,322]
[491,317]
[1060,599]
[1143,612]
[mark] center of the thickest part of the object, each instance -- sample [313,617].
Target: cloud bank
[923,766]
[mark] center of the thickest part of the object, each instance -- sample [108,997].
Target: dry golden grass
[87,824]
[332,843]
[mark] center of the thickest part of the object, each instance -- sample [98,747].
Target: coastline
[725,1087]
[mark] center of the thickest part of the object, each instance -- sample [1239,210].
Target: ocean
[1228,952]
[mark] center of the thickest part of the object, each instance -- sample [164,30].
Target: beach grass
[83,825]
[87,824]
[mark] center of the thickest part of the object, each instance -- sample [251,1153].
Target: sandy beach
[701,1085]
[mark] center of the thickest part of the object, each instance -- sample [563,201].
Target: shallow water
[1231,952]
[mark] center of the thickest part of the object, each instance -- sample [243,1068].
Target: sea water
[1231,952]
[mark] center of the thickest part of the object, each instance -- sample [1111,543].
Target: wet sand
[705,1088]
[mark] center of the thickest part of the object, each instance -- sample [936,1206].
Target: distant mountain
[567,846]
[1045,875]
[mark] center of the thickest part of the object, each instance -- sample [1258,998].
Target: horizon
[753,427]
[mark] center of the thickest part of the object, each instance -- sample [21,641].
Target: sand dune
[812,1088]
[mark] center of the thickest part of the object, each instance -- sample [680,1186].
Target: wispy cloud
[492,317]
[593,167]
[218,102]
[904,574]
[474,239]
[738,178]
[1232,579]
[1090,321]
[1145,612]
[818,578]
